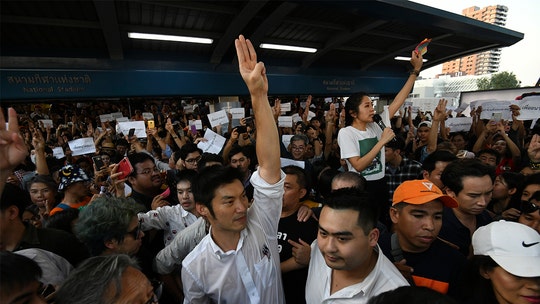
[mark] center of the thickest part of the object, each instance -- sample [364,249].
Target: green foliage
[502,80]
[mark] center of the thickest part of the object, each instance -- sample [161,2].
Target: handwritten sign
[47,123]
[218,118]
[140,129]
[117,115]
[459,124]
[214,142]
[530,108]
[285,121]
[122,119]
[105,117]
[197,123]
[296,118]
[285,107]
[148,115]
[188,109]
[425,104]
[310,115]
[58,152]
[291,162]
[286,140]
[82,146]
[237,113]
[490,107]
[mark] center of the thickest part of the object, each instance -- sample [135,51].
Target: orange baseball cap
[418,192]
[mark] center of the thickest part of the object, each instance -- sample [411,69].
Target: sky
[523,16]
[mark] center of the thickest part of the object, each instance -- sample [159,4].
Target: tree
[502,80]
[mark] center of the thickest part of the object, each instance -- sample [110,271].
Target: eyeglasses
[193,160]
[136,232]
[149,171]
[298,148]
[528,207]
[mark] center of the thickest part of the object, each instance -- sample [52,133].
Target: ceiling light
[287,48]
[406,58]
[170,38]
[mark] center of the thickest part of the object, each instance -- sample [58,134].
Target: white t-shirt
[171,219]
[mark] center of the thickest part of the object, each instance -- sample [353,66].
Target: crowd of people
[347,211]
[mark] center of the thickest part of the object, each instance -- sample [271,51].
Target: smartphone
[241,129]
[125,167]
[151,124]
[193,129]
[249,120]
[496,116]
[166,193]
[131,132]
[98,162]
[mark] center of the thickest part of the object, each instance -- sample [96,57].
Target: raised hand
[12,148]
[253,72]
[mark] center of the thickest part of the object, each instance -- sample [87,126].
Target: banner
[490,107]
[82,146]
[530,108]
[285,121]
[237,113]
[459,124]
[58,152]
[218,118]
[285,107]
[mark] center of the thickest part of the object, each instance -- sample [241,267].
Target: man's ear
[394,214]
[111,244]
[303,192]
[202,210]
[512,191]
[425,174]
[131,179]
[484,273]
[373,237]
[450,193]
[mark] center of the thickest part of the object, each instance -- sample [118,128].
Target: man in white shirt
[347,265]
[238,261]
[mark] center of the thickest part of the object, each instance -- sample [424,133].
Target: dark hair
[122,142]
[439,155]
[239,149]
[137,158]
[351,106]
[324,184]
[207,157]
[533,179]
[353,199]
[211,178]
[185,175]
[62,220]
[301,177]
[14,196]
[358,180]
[302,137]
[397,144]
[16,271]
[490,152]
[44,179]
[453,174]
[411,295]
[187,149]
[472,287]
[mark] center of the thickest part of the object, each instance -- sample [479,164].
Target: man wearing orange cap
[416,212]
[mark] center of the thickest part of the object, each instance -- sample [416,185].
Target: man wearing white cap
[506,265]
[416,212]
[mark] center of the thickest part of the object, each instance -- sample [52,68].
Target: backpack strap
[396,251]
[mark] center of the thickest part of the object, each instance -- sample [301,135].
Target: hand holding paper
[421,48]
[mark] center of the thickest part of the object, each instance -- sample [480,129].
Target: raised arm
[254,75]
[416,62]
[438,117]
[12,148]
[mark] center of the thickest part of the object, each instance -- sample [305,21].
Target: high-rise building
[481,63]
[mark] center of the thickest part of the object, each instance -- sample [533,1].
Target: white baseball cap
[513,246]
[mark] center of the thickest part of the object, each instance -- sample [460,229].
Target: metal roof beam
[106,12]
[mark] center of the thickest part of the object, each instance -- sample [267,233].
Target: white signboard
[490,107]
[148,116]
[197,123]
[47,123]
[218,118]
[117,114]
[286,140]
[285,107]
[328,100]
[291,162]
[296,118]
[122,119]
[214,142]
[237,113]
[425,104]
[140,129]
[310,115]
[188,109]
[106,117]
[82,146]
[530,108]
[285,121]
[459,124]
[58,152]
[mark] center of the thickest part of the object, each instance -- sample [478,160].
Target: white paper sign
[237,113]
[58,152]
[296,118]
[328,100]
[285,121]
[310,115]
[291,162]
[122,119]
[117,114]
[105,117]
[490,107]
[426,104]
[285,107]
[458,124]
[197,123]
[218,118]
[286,140]
[148,115]
[140,129]
[82,146]
[47,123]
[214,143]
[188,109]
[530,108]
